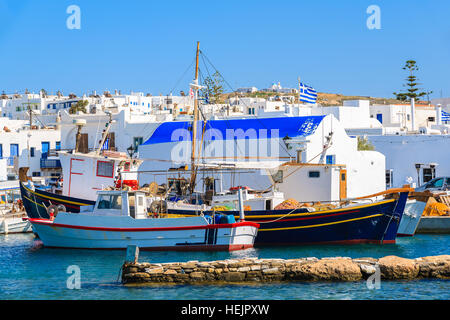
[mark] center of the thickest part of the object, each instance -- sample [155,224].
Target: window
[428,174]
[314,174]
[105,169]
[32,151]
[431,119]
[1,151]
[438,183]
[36,174]
[110,201]
[136,142]
[331,159]
[389,178]
[58,145]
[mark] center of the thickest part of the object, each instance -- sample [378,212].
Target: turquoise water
[27,273]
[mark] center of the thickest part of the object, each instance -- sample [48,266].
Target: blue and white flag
[106,145]
[307,94]
[445,116]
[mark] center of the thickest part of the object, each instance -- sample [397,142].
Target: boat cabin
[253,200]
[121,203]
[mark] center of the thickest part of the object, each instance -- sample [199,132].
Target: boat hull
[14,224]
[220,237]
[434,225]
[371,223]
[411,217]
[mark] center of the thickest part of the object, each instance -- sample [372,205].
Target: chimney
[413,116]
[439,114]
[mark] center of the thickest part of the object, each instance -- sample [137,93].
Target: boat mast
[195,88]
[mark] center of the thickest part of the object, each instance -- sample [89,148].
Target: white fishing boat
[12,211]
[14,223]
[120,219]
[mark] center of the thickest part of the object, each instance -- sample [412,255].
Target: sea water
[30,273]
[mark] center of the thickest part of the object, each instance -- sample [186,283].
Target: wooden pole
[194,124]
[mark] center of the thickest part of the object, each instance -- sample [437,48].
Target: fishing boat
[84,173]
[363,222]
[12,211]
[120,218]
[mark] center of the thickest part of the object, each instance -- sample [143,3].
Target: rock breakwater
[302,269]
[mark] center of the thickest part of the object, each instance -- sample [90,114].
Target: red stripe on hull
[354,241]
[209,226]
[222,247]
[404,235]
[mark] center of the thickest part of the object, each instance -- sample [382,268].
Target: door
[380,117]
[45,149]
[343,184]
[13,152]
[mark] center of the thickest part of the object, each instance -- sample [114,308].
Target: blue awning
[254,128]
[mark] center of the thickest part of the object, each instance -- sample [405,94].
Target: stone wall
[304,269]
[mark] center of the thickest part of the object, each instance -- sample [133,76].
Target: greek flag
[307,94]
[106,145]
[445,116]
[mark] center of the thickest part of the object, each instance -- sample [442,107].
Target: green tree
[214,87]
[364,144]
[79,106]
[411,83]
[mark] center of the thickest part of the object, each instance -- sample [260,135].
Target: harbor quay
[253,270]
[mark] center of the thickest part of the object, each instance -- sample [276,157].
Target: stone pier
[270,270]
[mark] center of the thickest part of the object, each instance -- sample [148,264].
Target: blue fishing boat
[375,222]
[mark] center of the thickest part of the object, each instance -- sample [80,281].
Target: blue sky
[147,45]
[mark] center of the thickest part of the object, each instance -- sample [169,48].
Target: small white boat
[120,219]
[411,217]
[14,223]
[12,211]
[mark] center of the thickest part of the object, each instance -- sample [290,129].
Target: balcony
[50,164]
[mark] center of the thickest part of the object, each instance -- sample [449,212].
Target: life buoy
[52,211]
[158,206]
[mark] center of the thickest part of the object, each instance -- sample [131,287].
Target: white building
[22,147]
[398,117]
[247,90]
[127,128]
[276,87]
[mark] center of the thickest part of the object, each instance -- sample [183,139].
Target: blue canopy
[254,128]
